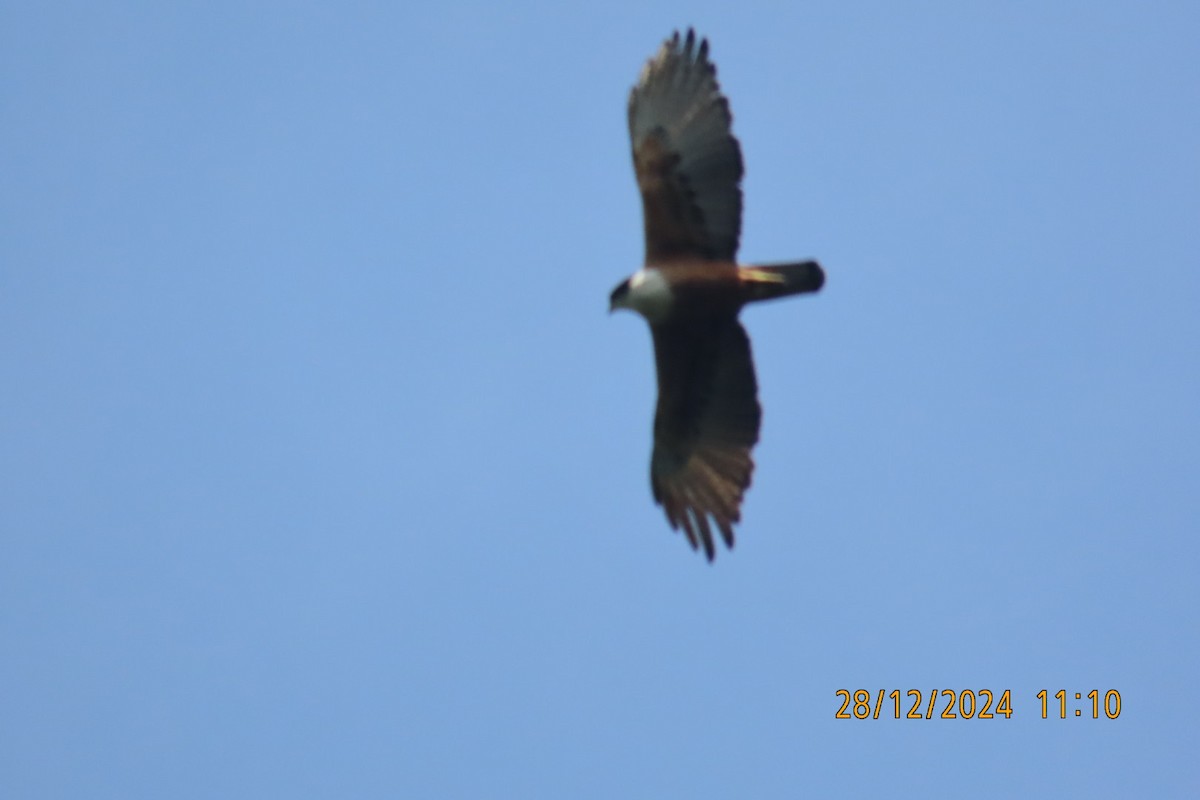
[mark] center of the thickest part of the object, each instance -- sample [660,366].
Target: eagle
[690,291]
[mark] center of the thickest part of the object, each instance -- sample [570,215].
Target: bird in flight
[691,289]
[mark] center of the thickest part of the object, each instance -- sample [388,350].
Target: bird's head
[647,292]
[619,297]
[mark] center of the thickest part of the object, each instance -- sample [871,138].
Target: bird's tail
[781,280]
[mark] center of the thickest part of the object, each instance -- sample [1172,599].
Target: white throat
[649,294]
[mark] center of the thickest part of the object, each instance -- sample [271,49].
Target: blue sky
[323,471]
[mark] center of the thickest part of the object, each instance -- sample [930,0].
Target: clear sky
[324,472]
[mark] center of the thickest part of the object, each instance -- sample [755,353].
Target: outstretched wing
[705,427]
[687,161]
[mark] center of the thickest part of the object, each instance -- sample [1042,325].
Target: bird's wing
[688,163]
[705,426]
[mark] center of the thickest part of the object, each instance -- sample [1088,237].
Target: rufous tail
[780,280]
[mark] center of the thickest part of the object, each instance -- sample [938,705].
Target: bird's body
[691,289]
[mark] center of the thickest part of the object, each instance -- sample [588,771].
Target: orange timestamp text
[920,704]
[971,704]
